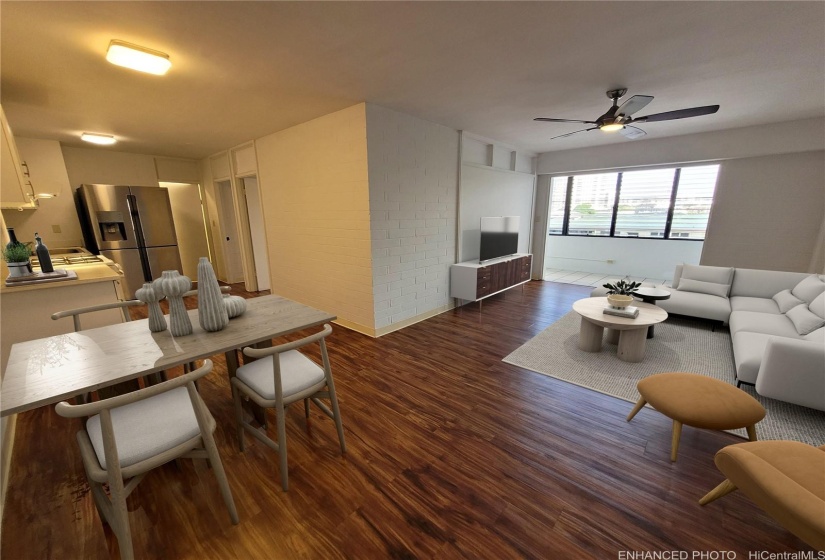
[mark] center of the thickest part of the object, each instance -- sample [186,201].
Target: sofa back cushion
[750,282]
[714,274]
[809,288]
[786,301]
[710,288]
[804,321]
[817,306]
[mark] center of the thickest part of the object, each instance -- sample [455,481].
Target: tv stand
[474,281]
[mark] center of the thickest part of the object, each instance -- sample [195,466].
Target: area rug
[680,344]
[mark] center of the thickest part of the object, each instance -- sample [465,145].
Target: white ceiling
[242,70]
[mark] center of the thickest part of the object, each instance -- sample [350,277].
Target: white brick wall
[413,185]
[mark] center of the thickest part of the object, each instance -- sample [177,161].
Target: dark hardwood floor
[451,454]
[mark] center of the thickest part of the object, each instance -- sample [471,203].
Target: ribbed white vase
[148,295]
[212,314]
[235,305]
[174,285]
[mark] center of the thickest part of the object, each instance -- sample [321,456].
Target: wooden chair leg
[674,443]
[120,520]
[220,474]
[751,432]
[336,415]
[236,397]
[640,404]
[725,488]
[282,447]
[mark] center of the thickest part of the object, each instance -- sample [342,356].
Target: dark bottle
[12,238]
[43,255]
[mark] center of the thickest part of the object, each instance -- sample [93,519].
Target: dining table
[49,370]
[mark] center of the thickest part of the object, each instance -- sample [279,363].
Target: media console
[471,281]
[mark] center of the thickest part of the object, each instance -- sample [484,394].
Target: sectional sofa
[777,325]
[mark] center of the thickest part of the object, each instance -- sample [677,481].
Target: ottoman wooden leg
[590,336]
[751,432]
[674,443]
[722,490]
[639,406]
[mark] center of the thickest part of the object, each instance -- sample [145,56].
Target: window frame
[674,193]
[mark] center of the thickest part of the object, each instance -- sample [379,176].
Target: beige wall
[768,212]
[99,165]
[315,202]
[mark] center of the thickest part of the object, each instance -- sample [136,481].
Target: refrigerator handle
[131,201]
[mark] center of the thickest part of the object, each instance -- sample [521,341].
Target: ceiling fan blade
[635,103]
[572,133]
[680,114]
[563,120]
[631,132]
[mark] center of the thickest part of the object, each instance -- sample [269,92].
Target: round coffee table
[651,295]
[629,333]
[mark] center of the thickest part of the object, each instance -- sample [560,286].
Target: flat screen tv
[499,237]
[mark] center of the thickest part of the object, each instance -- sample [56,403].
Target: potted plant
[17,257]
[621,293]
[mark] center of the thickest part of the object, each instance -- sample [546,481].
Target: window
[672,203]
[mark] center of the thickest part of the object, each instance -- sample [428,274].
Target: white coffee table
[630,334]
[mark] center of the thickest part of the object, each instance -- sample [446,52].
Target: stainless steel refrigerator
[132,226]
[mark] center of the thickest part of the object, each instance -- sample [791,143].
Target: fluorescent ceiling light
[97,138]
[612,127]
[138,58]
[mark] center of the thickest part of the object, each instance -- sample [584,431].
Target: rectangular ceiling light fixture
[97,138]
[138,58]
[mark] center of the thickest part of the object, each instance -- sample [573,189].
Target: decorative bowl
[619,301]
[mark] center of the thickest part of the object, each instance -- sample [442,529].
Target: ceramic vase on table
[151,297]
[174,285]
[212,313]
[235,305]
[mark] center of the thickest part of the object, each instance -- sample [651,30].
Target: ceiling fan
[618,118]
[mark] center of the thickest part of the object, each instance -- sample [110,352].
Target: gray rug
[680,344]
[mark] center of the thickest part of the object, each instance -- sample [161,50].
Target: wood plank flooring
[451,454]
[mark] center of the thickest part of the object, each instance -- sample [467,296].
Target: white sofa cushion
[816,336]
[817,306]
[700,287]
[786,301]
[714,274]
[803,320]
[697,305]
[765,323]
[763,283]
[298,373]
[748,349]
[809,288]
[758,304]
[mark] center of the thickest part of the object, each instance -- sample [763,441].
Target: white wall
[648,258]
[768,212]
[99,165]
[315,201]
[413,185]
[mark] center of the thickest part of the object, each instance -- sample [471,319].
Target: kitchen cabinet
[15,187]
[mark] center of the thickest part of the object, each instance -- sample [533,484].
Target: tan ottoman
[698,401]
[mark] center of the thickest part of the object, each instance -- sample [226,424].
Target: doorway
[256,230]
[230,237]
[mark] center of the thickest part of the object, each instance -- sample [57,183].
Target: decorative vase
[148,295]
[235,305]
[212,313]
[619,301]
[174,285]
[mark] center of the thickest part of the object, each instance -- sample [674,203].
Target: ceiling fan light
[138,58]
[98,138]
[613,127]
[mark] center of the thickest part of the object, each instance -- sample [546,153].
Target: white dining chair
[287,377]
[129,435]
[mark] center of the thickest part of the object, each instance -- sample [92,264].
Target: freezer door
[110,216]
[163,258]
[133,275]
[155,212]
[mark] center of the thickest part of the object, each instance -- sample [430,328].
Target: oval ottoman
[699,401]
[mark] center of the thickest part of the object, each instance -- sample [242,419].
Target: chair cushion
[298,373]
[700,287]
[758,304]
[809,288]
[750,321]
[803,320]
[700,401]
[147,428]
[786,301]
[748,350]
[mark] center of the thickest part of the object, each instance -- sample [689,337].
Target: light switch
[56,228]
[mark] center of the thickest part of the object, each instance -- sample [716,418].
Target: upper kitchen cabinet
[16,190]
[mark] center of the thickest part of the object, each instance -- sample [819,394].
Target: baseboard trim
[5,461]
[357,327]
[412,320]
